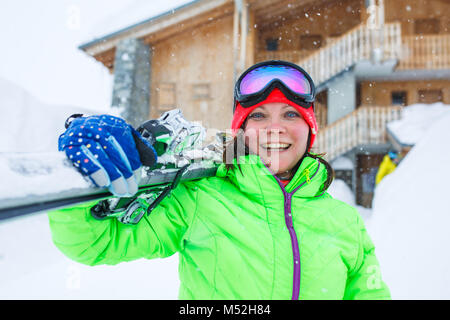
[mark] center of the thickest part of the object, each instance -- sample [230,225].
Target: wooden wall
[194,72]
[328,20]
[194,69]
[413,14]
[424,91]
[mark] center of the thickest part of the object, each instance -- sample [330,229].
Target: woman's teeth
[275,146]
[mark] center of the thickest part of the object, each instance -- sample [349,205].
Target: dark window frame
[399,98]
[427,26]
[201,91]
[272,44]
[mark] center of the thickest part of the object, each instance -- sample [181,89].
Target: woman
[264,227]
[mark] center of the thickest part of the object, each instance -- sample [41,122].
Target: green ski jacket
[240,235]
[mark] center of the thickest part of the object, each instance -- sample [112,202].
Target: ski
[32,202]
[45,181]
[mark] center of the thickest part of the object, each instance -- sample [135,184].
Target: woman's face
[278,134]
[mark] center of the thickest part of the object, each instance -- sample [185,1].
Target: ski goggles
[255,84]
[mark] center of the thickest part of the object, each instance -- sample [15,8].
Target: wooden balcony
[429,52]
[286,55]
[417,52]
[342,52]
[365,125]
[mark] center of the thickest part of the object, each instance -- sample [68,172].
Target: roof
[153,24]
[135,25]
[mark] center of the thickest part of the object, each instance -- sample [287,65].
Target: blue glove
[105,149]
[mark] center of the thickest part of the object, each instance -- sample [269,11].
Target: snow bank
[411,216]
[33,268]
[33,174]
[30,264]
[342,163]
[28,125]
[341,191]
[416,120]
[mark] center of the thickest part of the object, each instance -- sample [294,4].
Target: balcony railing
[355,45]
[365,125]
[425,52]
[344,51]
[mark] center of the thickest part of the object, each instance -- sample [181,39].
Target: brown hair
[233,150]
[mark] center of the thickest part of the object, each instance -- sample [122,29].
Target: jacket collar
[257,181]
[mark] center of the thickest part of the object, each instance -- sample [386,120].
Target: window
[335,35]
[311,41]
[201,91]
[398,98]
[271,44]
[426,26]
[166,95]
[430,96]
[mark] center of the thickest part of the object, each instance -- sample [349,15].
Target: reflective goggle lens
[257,79]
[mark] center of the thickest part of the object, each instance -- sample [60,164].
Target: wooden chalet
[368,58]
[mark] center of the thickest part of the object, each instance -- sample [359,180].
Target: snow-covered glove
[108,150]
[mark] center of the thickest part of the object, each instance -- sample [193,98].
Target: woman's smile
[276,146]
[278,134]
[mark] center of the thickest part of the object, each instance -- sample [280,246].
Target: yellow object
[308,179]
[387,166]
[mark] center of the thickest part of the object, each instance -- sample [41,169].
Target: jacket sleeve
[89,241]
[364,281]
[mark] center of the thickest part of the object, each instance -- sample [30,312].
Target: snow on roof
[138,12]
[416,120]
[342,163]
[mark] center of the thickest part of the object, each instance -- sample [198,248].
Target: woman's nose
[275,126]
[274,131]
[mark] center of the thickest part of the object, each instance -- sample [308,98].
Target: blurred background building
[368,58]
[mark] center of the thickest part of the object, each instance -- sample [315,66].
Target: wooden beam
[236,17]
[188,25]
[265,20]
[107,58]
[280,6]
[244,34]
[251,40]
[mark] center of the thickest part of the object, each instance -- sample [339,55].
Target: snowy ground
[28,124]
[30,265]
[411,217]
[32,268]
[411,210]
[408,224]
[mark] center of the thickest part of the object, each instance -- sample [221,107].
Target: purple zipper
[294,242]
[293,235]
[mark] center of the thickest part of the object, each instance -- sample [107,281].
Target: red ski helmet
[275,81]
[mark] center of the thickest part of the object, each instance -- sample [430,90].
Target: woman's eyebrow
[261,108]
